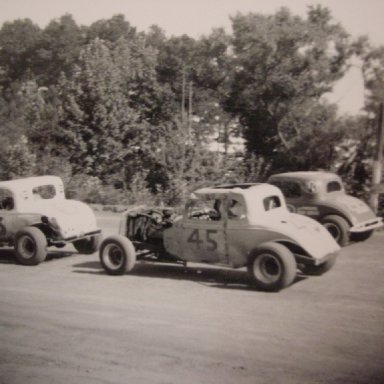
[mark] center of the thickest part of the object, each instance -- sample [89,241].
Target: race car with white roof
[34,214]
[235,226]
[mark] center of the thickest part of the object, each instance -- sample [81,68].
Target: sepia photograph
[191,192]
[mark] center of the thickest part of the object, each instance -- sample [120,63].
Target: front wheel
[87,246]
[272,267]
[30,246]
[117,255]
[338,227]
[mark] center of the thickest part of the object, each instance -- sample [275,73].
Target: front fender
[305,233]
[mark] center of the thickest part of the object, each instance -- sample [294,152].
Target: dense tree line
[124,115]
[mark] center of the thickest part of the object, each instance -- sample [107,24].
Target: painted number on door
[207,240]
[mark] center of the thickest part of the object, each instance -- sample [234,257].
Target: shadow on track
[215,277]
[7,256]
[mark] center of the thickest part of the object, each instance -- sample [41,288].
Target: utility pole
[183,97]
[377,161]
[190,112]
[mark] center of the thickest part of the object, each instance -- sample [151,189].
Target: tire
[338,227]
[30,246]
[361,236]
[87,246]
[272,267]
[117,255]
[318,270]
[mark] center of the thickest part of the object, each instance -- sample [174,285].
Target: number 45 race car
[234,226]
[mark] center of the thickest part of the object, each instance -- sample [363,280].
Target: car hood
[352,207]
[304,231]
[73,218]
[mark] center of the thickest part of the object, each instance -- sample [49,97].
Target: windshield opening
[207,209]
[290,189]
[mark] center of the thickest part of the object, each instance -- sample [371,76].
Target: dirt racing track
[67,321]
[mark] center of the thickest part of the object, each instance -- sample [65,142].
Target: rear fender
[14,223]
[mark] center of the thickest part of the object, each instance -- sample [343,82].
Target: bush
[17,160]
[92,190]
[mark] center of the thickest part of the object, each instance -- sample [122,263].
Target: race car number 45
[206,240]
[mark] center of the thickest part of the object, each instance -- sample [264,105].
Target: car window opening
[6,200]
[333,186]
[44,192]
[235,210]
[271,202]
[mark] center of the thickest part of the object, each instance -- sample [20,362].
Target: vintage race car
[34,214]
[321,195]
[246,226]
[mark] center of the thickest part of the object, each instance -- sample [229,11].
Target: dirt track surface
[66,321]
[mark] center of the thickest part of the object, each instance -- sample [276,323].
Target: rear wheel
[272,267]
[30,246]
[338,227]
[87,246]
[117,255]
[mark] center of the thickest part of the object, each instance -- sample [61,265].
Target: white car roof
[306,175]
[243,189]
[30,182]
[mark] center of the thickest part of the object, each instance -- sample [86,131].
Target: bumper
[368,225]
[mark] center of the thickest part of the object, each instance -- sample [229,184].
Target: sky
[199,17]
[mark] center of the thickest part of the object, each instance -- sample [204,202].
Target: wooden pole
[190,112]
[377,162]
[183,97]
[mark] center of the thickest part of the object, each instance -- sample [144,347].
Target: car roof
[232,186]
[242,189]
[30,182]
[306,175]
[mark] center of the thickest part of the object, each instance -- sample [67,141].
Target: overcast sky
[198,17]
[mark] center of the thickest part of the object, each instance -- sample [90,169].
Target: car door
[203,234]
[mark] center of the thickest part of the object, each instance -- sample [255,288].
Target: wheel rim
[267,268]
[113,256]
[26,247]
[333,229]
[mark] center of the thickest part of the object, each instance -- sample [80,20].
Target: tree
[18,41]
[59,49]
[180,166]
[136,64]
[310,145]
[111,30]
[359,168]
[106,113]
[17,160]
[95,114]
[281,62]
[373,73]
